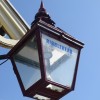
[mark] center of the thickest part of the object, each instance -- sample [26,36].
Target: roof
[61,32]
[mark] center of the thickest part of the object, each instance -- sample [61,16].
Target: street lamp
[45,60]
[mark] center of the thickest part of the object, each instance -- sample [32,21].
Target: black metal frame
[40,86]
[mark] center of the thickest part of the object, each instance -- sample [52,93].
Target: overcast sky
[81,19]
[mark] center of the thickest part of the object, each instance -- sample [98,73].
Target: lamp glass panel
[40,97]
[60,61]
[27,63]
[54,88]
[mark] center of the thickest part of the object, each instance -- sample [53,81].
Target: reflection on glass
[54,88]
[60,61]
[27,62]
[40,97]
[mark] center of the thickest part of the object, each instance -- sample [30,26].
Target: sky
[81,19]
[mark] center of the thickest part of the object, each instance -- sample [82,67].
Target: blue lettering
[60,46]
[47,40]
[67,49]
[63,47]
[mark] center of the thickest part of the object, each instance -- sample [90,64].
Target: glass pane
[27,62]
[40,97]
[54,88]
[60,61]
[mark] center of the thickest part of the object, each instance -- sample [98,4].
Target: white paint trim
[8,43]
[12,22]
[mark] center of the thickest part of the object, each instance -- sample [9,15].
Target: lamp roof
[43,15]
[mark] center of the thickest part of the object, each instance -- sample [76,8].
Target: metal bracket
[3,57]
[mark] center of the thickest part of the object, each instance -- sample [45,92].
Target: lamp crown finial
[43,15]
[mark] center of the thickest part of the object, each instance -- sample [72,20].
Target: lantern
[45,60]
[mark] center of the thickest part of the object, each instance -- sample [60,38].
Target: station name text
[59,46]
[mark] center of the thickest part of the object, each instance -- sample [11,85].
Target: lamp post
[45,60]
